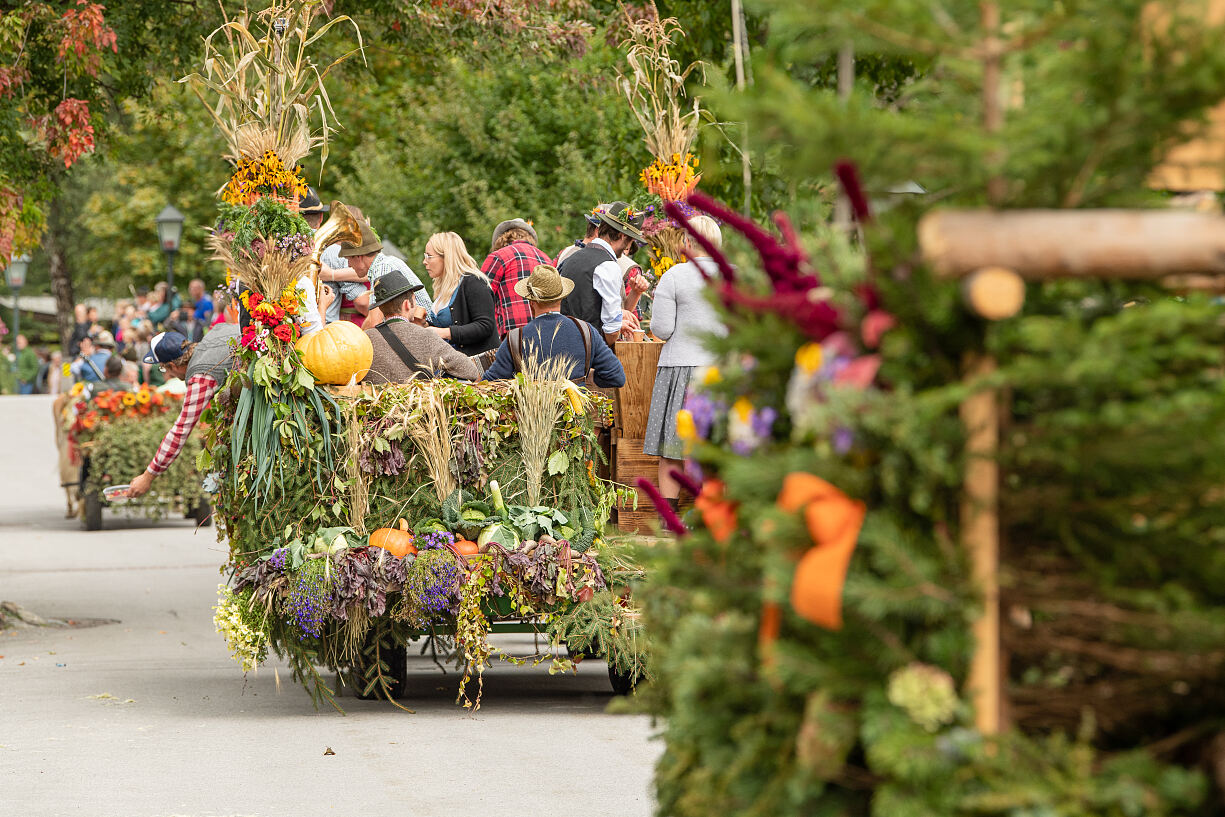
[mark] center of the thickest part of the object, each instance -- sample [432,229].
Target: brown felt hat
[370,242]
[545,284]
[622,218]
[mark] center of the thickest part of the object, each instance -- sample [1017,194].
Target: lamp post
[15,277]
[169,233]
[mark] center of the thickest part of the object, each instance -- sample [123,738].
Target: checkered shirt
[505,268]
[200,390]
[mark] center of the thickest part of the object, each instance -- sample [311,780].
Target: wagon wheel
[91,505]
[202,513]
[622,682]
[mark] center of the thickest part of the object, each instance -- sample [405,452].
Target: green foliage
[266,218]
[544,142]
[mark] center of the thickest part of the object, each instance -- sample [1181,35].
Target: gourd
[466,547]
[337,353]
[396,541]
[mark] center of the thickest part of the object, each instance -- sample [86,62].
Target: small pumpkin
[396,541]
[337,353]
[466,547]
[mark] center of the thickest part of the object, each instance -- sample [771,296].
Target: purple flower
[434,540]
[843,439]
[762,421]
[277,560]
[704,411]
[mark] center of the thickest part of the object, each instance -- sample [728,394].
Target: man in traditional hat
[403,350]
[368,260]
[552,334]
[598,292]
[204,367]
[512,257]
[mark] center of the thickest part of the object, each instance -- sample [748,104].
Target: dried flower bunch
[655,89]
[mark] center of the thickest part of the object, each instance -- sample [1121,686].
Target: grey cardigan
[682,316]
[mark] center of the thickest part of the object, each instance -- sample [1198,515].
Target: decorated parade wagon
[109,436]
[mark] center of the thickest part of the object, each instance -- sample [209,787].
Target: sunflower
[142,397]
[129,399]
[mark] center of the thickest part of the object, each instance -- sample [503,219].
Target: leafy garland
[122,448]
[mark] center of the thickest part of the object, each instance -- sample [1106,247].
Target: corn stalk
[266,86]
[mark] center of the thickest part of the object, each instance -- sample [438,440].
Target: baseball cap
[165,347]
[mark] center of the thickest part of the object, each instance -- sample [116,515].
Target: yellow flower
[711,376]
[77,388]
[808,357]
[129,399]
[743,408]
[264,308]
[685,429]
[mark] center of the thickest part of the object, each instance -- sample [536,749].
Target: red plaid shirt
[199,391]
[505,268]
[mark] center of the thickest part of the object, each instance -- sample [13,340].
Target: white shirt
[607,282]
[309,320]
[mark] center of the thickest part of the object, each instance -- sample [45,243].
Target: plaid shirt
[200,390]
[505,268]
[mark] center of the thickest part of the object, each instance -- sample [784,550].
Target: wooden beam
[1044,244]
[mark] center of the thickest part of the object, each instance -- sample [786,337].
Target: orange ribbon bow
[834,521]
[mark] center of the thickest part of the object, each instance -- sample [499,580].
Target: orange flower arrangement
[109,405]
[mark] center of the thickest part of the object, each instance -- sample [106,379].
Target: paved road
[149,716]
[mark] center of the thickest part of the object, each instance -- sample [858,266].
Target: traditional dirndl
[667,398]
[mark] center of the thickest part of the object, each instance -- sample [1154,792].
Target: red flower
[254,300]
[248,336]
[283,333]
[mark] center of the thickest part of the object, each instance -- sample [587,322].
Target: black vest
[584,302]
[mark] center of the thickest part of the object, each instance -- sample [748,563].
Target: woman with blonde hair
[463,300]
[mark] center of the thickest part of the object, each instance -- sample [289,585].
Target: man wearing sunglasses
[203,366]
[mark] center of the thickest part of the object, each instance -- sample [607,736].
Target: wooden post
[980,414]
[740,47]
[980,530]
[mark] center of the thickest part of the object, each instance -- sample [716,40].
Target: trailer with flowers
[429,509]
[112,434]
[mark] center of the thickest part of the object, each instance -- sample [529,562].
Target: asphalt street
[148,716]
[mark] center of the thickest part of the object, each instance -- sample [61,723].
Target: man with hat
[598,291]
[550,334]
[203,366]
[402,349]
[368,260]
[513,255]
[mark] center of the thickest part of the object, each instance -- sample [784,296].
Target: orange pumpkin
[465,547]
[336,353]
[396,541]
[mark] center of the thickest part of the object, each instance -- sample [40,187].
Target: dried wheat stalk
[539,392]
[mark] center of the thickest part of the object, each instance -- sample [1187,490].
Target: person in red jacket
[513,256]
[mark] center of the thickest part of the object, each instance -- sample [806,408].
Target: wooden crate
[629,463]
[632,402]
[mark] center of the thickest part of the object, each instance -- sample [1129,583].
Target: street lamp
[15,277]
[169,233]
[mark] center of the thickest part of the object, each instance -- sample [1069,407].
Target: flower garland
[82,418]
[263,176]
[271,319]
